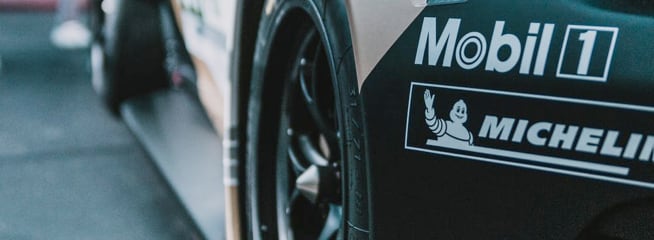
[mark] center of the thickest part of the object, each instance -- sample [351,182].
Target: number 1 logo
[586,53]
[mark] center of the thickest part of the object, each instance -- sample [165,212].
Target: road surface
[68,169]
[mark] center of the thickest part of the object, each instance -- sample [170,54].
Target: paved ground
[68,170]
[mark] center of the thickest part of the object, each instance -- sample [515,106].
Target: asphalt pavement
[68,169]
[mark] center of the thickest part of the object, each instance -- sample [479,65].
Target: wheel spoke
[308,172]
[332,223]
[310,153]
[298,168]
[289,206]
[312,106]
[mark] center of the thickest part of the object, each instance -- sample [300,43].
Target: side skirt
[183,144]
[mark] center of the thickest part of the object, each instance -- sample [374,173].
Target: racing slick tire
[127,51]
[305,131]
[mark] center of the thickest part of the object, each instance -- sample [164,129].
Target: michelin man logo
[449,133]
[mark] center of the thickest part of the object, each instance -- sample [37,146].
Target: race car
[399,119]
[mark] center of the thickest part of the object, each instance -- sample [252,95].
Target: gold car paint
[212,64]
[212,100]
[200,21]
[374,26]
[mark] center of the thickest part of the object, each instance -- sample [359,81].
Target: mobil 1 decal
[585,54]
[604,141]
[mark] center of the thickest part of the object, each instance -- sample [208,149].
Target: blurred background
[68,168]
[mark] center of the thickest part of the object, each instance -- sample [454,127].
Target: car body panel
[375,26]
[496,172]
[207,27]
[208,31]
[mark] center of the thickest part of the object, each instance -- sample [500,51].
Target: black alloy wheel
[298,180]
[309,150]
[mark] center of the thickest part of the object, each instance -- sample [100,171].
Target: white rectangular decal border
[607,66]
[535,158]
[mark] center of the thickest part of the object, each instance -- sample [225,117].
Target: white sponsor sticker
[585,138]
[586,53]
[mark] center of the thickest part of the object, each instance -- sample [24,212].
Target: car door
[510,119]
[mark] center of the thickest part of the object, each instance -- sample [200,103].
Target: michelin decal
[586,138]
